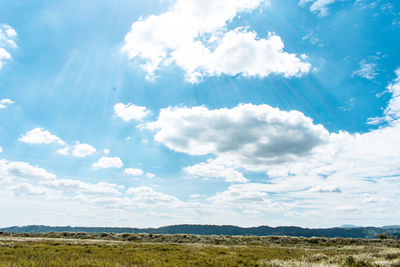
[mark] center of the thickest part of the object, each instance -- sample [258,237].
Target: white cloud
[326,189]
[250,193]
[76,186]
[82,150]
[106,151]
[147,195]
[366,70]
[40,136]
[130,112]
[63,151]
[1,149]
[193,34]
[133,172]
[392,111]
[319,6]
[24,185]
[4,55]
[252,56]
[78,150]
[32,180]
[366,3]
[108,162]
[27,189]
[244,198]
[211,169]
[4,103]
[10,170]
[150,175]
[312,38]
[248,136]
[7,41]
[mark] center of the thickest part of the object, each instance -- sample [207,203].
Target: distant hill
[345,232]
[350,226]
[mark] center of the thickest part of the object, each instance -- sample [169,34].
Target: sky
[160,112]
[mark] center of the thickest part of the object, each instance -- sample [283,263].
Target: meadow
[108,249]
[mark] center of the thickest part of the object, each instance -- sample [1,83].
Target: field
[80,249]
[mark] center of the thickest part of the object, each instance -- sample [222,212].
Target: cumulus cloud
[82,150]
[149,196]
[296,154]
[362,168]
[22,182]
[25,180]
[249,193]
[133,172]
[108,162]
[40,136]
[320,7]
[78,150]
[10,170]
[366,70]
[7,41]
[251,137]
[130,112]
[23,189]
[4,103]
[212,169]
[252,56]
[193,34]
[76,186]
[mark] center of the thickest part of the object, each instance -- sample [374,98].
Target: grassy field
[80,249]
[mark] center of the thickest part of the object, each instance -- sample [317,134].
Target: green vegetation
[345,232]
[107,249]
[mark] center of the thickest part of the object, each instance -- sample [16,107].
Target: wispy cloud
[392,111]
[7,42]
[4,103]
[367,70]
[320,7]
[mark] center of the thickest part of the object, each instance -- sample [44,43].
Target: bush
[352,262]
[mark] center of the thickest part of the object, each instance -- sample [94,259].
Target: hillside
[358,232]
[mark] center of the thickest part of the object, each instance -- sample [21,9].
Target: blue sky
[246,112]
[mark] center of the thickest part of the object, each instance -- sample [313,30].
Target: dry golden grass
[79,249]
